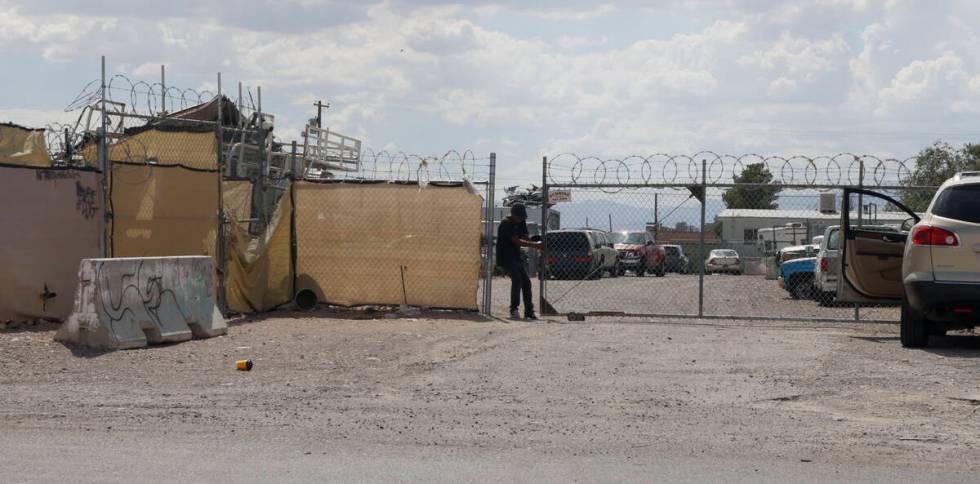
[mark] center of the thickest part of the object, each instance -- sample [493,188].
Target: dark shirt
[507,250]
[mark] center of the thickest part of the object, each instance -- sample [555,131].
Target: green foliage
[761,196]
[933,166]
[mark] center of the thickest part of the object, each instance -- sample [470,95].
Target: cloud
[427,76]
[59,35]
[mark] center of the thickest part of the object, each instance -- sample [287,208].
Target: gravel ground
[676,294]
[839,396]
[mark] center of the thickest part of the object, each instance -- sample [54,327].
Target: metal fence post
[704,200]
[857,307]
[543,266]
[488,237]
[104,166]
[220,249]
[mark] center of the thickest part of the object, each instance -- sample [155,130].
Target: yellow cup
[244,365]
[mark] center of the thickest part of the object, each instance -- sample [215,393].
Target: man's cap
[519,210]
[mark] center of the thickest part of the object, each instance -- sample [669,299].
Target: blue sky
[526,79]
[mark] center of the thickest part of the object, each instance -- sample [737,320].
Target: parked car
[931,265]
[639,253]
[676,260]
[579,254]
[825,272]
[796,276]
[723,260]
[787,254]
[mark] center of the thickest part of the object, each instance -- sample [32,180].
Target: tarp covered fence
[51,220]
[20,146]
[384,243]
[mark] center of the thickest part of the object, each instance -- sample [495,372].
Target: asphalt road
[441,399]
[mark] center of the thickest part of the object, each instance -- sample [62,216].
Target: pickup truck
[796,276]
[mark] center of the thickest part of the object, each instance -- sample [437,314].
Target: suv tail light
[929,235]
[824,265]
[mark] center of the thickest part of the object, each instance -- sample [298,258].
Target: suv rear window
[670,250]
[567,241]
[959,203]
[833,243]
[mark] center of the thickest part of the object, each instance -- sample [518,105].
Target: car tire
[800,288]
[826,298]
[614,272]
[595,273]
[914,333]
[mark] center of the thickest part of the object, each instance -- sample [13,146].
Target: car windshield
[959,203]
[635,238]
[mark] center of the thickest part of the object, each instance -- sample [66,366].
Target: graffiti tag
[56,174]
[85,201]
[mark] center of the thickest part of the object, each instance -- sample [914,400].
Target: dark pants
[519,283]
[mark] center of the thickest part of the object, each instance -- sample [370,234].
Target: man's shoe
[530,317]
[515,314]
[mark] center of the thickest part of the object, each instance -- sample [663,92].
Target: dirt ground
[837,394]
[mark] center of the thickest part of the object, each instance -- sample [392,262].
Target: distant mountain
[636,213]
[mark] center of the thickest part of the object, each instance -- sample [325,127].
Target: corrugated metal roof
[799,214]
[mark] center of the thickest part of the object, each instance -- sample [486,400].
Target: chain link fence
[716,236]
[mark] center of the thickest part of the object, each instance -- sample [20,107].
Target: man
[511,236]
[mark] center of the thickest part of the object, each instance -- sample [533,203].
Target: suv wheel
[913,328]
[661,270]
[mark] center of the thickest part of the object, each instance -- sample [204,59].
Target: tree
[933,166]
[758,191]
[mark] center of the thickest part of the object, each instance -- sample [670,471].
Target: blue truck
[796,273]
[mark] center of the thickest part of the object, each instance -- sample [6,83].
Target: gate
[709,235]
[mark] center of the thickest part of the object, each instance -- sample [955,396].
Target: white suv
[825,272]
[933,268]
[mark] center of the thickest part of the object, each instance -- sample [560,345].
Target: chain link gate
[711,236]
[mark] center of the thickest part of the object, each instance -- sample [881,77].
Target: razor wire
[451,166]
[145,98]
[570,169]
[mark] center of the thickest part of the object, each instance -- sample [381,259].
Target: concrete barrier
[131,302]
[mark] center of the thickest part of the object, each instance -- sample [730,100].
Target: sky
[528,79]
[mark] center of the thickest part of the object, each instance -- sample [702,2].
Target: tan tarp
[163,211]
[237,197]
[354,241]
[165,148]
[23,147]
[258,273]
[50,222]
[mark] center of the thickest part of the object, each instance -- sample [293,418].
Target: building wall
[733,229]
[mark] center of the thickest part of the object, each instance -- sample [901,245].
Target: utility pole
[163,89]
[656,216]
[319,112]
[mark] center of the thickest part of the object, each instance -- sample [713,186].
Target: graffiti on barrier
[143,295]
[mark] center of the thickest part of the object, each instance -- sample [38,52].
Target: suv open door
[874,228]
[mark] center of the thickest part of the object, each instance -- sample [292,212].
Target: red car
[638,252]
